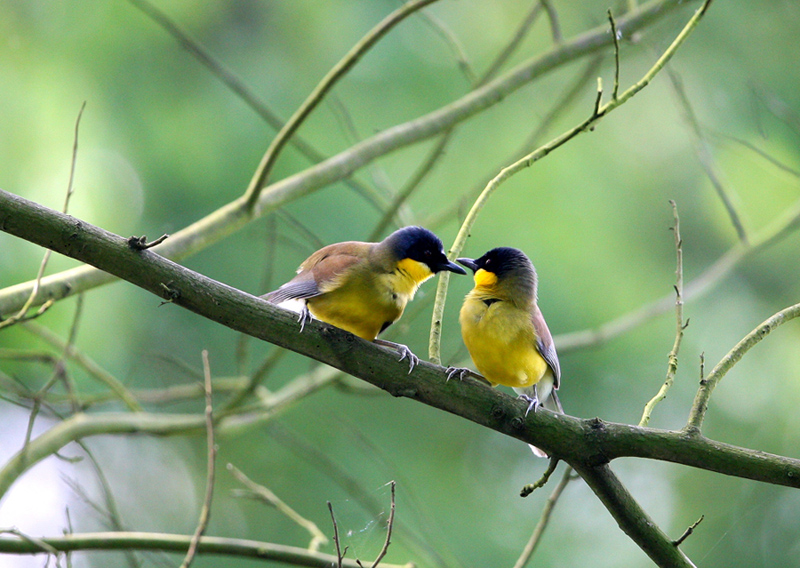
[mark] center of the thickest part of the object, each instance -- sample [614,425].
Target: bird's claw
[533,403]
[305,316]
[460,372]
[406,352]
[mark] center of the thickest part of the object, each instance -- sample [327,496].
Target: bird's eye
[428,253]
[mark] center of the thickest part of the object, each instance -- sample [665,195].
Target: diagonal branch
[632,519]
[708,384]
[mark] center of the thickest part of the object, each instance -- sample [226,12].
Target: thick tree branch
[632,519]
[589,442]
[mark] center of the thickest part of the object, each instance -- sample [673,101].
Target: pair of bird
[364,287]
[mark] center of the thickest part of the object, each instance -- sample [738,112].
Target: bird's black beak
[452,267]
[469,263]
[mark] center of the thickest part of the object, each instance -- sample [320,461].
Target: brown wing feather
[545,345]
[320,271]
[347,249]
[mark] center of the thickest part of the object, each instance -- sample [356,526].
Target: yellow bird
[363,287]
[505,332]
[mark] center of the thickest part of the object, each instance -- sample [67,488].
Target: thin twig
[212,545]
[523,29]
[88,364]
[389,526]
[338,71]
[61,364]
[705,157]
[20,316]
[265,495]
[339,552]
[531,487]
[205,511]
[688,532]
[552,15]
[749,341]
[672,365]
[455,46]
[141,243]
[544,519]
[616,54]
[37,542]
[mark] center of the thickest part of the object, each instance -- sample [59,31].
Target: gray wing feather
[545,345]
[293,290]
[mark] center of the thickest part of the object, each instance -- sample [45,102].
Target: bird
[505,332]
[364,287]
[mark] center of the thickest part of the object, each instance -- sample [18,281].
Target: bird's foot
[459,372]
[305,317]
[403,350]
[533,402]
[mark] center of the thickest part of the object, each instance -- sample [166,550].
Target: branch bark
[588,442]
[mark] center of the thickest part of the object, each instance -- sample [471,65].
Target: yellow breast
[501,341]
[364,303]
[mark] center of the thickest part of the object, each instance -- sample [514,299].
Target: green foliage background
[163,143]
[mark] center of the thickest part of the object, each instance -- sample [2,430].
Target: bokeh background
[163,143]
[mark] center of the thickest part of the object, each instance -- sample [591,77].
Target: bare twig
[708,384]
[339,552]
[531,487]
[705,157]
[40,544]
[205,511]
[88,364]
[544,519]
[454,44]
[389,526]
[265,495]
[688,532]
[552,15]
[20,316]
[141,243]
[672,366]
[616,54]
[231,547]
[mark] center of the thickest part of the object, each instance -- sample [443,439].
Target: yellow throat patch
[485,279]
[418,272]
